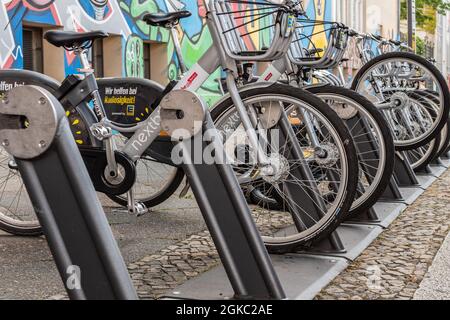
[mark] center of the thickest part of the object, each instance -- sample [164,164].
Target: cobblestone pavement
[155,275]
[391,268]
[395,264]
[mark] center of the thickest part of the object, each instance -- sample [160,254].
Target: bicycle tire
[407,56]
[352,179]
[387,169]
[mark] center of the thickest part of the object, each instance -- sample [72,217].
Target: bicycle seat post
[86,67]
[177,45]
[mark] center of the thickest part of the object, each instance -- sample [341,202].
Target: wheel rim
[278,226]
[16,209]
[377,86]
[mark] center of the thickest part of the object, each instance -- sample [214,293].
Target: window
[32,49]
[96,58]
[147,63]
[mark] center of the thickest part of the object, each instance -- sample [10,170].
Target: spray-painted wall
[122,17]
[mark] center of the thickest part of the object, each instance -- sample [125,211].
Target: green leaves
[426,11]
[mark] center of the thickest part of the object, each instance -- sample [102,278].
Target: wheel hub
[326,155]
[117,179]
[280,169]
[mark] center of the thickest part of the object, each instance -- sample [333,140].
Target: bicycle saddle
[163,19]
[72,39]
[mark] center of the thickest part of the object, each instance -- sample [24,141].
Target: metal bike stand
[403,172]
[438,166]
[218,193]
[406,178]
[247,270]
[437,162]
[445,160]
[312,204]
[425,171]
[80,239]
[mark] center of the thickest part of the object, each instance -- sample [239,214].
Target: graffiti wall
[123,18]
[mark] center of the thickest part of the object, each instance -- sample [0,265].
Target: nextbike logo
[268,77]
[190,81]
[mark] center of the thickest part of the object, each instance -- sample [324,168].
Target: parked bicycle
[261,106]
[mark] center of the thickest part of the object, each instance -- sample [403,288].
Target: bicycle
[270,166]
[420,155]
[369,130]
[431,99]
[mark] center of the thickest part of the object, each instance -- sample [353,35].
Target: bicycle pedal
[139,209]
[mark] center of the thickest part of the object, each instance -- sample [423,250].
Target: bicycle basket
[322,49]
[252,30]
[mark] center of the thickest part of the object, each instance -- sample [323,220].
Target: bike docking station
[83,246]
[304,273]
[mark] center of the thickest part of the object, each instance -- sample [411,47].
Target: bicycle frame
[218,55]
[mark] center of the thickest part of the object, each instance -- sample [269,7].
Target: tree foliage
[426,12]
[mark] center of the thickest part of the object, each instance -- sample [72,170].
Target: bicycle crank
[97,165]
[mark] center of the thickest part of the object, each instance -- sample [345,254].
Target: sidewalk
[394,266]
[436,284]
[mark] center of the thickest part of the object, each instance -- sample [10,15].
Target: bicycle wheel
[421,157]
[389,80]
[372,137]
[332,165]
[17,214]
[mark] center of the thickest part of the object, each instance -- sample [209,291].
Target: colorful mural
[123,17]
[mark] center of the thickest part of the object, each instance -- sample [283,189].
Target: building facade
[137,50]
[133,48]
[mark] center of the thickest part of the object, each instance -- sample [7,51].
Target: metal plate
[302,277]
[182,114]
[269,114]
[28,121]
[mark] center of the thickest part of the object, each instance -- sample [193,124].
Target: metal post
[403,172]
[218,194]
[411,23]
[80,239]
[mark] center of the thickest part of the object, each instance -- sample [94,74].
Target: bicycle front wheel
[373,140]
[328,162]
[391,81]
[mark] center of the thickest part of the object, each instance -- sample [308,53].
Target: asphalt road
[27,270]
